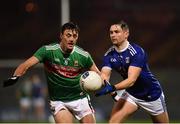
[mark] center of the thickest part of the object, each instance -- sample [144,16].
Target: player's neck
[65,50]
[123,46]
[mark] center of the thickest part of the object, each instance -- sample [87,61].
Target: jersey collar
[64,52]
[125,48]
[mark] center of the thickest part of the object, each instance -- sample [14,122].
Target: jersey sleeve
[89,61]
[40,53]
[106,61]
[138,59]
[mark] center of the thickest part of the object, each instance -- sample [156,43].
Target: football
[90,81]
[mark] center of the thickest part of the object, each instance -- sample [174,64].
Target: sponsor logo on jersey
[66,71]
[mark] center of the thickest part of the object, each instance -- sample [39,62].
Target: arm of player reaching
[133,73]
[20,70]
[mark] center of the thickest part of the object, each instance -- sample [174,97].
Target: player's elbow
[132,81]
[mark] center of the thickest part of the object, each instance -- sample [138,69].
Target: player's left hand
[108,88]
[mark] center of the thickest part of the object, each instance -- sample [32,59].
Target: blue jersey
[146,87]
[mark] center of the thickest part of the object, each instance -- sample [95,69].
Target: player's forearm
[105,74]
[133,73]
[21,69]
[125,84]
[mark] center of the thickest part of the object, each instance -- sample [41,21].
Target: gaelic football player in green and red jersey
[63,63]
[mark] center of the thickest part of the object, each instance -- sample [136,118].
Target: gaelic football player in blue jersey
[142,89]
[64,62]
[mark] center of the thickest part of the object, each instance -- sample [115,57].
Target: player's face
[68,40]
[117,35]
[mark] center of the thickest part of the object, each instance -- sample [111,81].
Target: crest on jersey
[76,63]
[127,60]
[113,60]
[66,62]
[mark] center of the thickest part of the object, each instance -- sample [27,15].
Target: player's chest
[60,59]
[119,60]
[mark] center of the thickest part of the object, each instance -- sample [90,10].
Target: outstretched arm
[22,68]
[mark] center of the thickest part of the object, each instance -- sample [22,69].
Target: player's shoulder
[80,51]
[52,46]
[135,49]
[109,51]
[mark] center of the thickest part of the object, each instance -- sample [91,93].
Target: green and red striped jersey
[63,71]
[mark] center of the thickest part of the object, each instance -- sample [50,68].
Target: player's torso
[146,82]
[63,73]
[67,66]
[120,62]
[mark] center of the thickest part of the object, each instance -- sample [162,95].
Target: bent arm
[94,68]
[133,74]
[22,68]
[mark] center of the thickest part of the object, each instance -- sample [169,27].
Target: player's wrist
[113,87]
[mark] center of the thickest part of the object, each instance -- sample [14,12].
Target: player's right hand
[108,88]
[10,81]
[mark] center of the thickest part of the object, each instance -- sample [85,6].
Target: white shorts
[153,107]
[79,108]
[25,102]
[38,102]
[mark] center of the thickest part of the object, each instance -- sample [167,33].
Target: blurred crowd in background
[28,24]
[32,95]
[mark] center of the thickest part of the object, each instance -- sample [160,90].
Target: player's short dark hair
[123,25]
[70,26]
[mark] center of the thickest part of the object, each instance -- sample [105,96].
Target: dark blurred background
[28,24]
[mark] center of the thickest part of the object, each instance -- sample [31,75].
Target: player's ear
[60,35]
[126,32]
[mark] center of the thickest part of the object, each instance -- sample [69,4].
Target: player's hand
[115,96]
[10,81]
[108,88]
